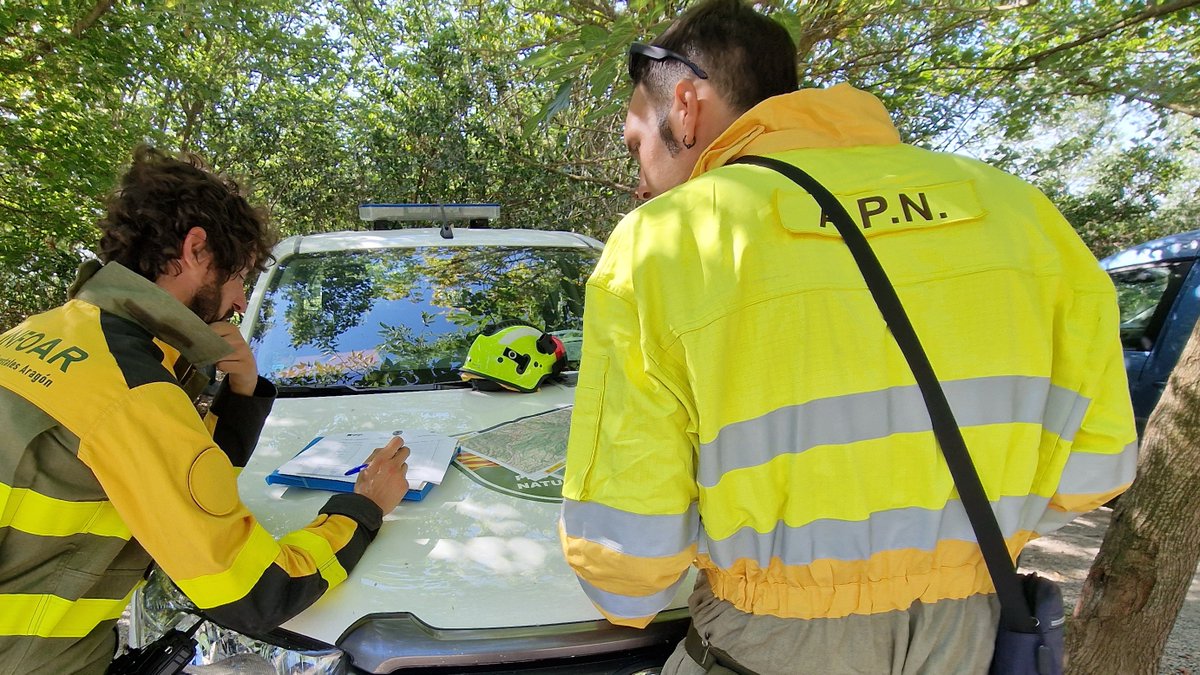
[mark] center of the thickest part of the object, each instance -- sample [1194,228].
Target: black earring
[687,145]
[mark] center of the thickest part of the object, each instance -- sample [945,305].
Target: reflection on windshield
[1141,294]
[394,317]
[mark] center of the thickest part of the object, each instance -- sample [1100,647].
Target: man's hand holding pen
[383,479]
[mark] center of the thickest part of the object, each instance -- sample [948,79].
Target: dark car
[1158,289]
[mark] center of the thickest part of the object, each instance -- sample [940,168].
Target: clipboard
[276,478]
[333,480]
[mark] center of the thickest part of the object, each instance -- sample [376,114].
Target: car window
[406,316]
[1144,295]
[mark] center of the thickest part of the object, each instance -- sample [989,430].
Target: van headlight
[159,606]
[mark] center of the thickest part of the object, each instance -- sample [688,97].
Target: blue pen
[356,469]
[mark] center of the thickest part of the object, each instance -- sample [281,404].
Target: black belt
[708,656]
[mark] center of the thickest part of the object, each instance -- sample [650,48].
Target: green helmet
[515,357]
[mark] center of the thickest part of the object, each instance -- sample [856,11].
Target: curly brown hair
[161,198]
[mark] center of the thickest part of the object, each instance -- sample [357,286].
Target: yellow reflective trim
[1079,504]
[614,572]
[222,588]
[640,622]
[322,553]
[50,616]
[831,589]
[35,513]
[901,470]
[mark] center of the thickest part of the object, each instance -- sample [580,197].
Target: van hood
[481,550]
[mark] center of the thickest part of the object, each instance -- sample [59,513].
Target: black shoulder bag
[1029,640]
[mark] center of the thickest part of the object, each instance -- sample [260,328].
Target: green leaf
[540,57]
[561,101]
[591,36]
[603,78]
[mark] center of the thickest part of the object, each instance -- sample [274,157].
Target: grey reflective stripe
[1052,520]
[907,528]
[1088,473]
[1064,412]
[631,533]
[854,418]
[632,606]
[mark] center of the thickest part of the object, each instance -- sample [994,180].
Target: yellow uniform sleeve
[177,492]
[1103,449]
[1103,452]
[629,523]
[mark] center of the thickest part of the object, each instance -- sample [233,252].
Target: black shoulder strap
[1015,611]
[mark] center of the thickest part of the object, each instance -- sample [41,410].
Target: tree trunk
[1140,578]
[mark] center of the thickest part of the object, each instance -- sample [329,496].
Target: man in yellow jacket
[743,407]
[105,464]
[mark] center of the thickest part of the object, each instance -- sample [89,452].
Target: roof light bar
[435,212]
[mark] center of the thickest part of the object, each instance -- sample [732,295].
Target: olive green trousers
[949,637]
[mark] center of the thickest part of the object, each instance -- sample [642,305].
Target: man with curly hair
[106,465]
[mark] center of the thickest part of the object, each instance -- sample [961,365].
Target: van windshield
[406,316]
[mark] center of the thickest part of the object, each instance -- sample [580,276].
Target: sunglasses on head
[656,53]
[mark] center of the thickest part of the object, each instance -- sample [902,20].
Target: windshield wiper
[298,390]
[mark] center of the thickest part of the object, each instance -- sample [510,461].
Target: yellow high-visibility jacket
[105,464]
[742,405]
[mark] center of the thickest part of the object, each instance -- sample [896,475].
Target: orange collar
[840,116]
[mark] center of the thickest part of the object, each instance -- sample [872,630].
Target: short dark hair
[161,198]
[748,57]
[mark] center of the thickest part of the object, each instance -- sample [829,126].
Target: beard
[664,130]
[206,304]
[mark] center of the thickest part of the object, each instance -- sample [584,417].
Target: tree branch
[621,187]
[14,208]
[603,10]
[98,10]
[1019,4]
[45,47]
[876,58]
[1092,88]
[191,111]
[587,162]
[1154,11]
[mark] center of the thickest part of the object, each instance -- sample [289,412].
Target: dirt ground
[1066,557]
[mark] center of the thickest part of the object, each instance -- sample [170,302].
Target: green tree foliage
[55,138]
[945,69]
[82,83]
[1113,174]
[1094,101]
[323,104]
